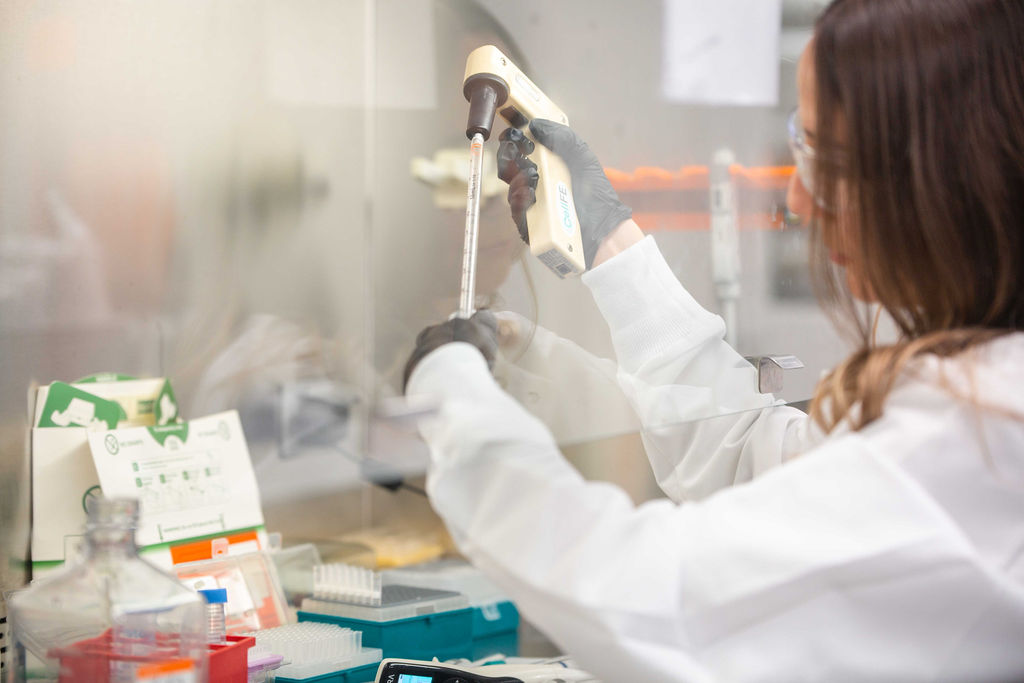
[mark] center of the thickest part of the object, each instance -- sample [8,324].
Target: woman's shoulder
[966,411]
[987,379]
[988,375]
[944,413]
[956,427]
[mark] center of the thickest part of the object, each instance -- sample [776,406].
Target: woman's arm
[675,367]
[618,240]
[820,569]
[705,424]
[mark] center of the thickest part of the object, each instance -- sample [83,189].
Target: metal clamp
[770,370]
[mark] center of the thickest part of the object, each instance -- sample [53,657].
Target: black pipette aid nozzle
[485,92]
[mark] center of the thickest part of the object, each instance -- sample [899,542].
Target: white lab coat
[895,553]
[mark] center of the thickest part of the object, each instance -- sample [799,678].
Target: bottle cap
[215,596]
[105,512]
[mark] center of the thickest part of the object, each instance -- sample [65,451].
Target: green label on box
[161,435]
[67,406]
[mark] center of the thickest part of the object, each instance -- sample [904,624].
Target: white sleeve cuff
[433,374]
[647,309]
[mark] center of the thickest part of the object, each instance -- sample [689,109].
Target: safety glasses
[803,154]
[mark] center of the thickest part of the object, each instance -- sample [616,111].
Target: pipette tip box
[495,617]
[361,668]
[316,651]
[412,622]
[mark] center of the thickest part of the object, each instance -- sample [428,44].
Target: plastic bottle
[108,616]
[216,626]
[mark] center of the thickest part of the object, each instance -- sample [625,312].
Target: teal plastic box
[445,635]
[365,674]
[495,629]
[360,674]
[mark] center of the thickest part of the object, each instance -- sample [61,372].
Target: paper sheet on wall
[191,479]
[724,52]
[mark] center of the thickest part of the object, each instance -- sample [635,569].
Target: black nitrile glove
[481,331]
[520,173]
[598,207]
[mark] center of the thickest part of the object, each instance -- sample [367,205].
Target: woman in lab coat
[879,538]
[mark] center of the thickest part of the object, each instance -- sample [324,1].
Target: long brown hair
[920,127]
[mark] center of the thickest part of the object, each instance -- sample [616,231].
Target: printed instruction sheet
[191,479]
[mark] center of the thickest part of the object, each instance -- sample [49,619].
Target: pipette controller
[493,84]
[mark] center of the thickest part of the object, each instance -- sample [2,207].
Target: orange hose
[654,179]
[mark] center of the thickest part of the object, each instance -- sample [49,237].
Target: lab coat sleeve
[540,369]
[706,426]
[814,563]
[497,479]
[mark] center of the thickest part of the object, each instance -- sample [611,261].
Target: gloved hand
[598,207]
[481,331]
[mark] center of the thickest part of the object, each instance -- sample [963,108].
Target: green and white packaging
[63,473]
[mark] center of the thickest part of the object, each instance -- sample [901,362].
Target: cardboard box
[64,473]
